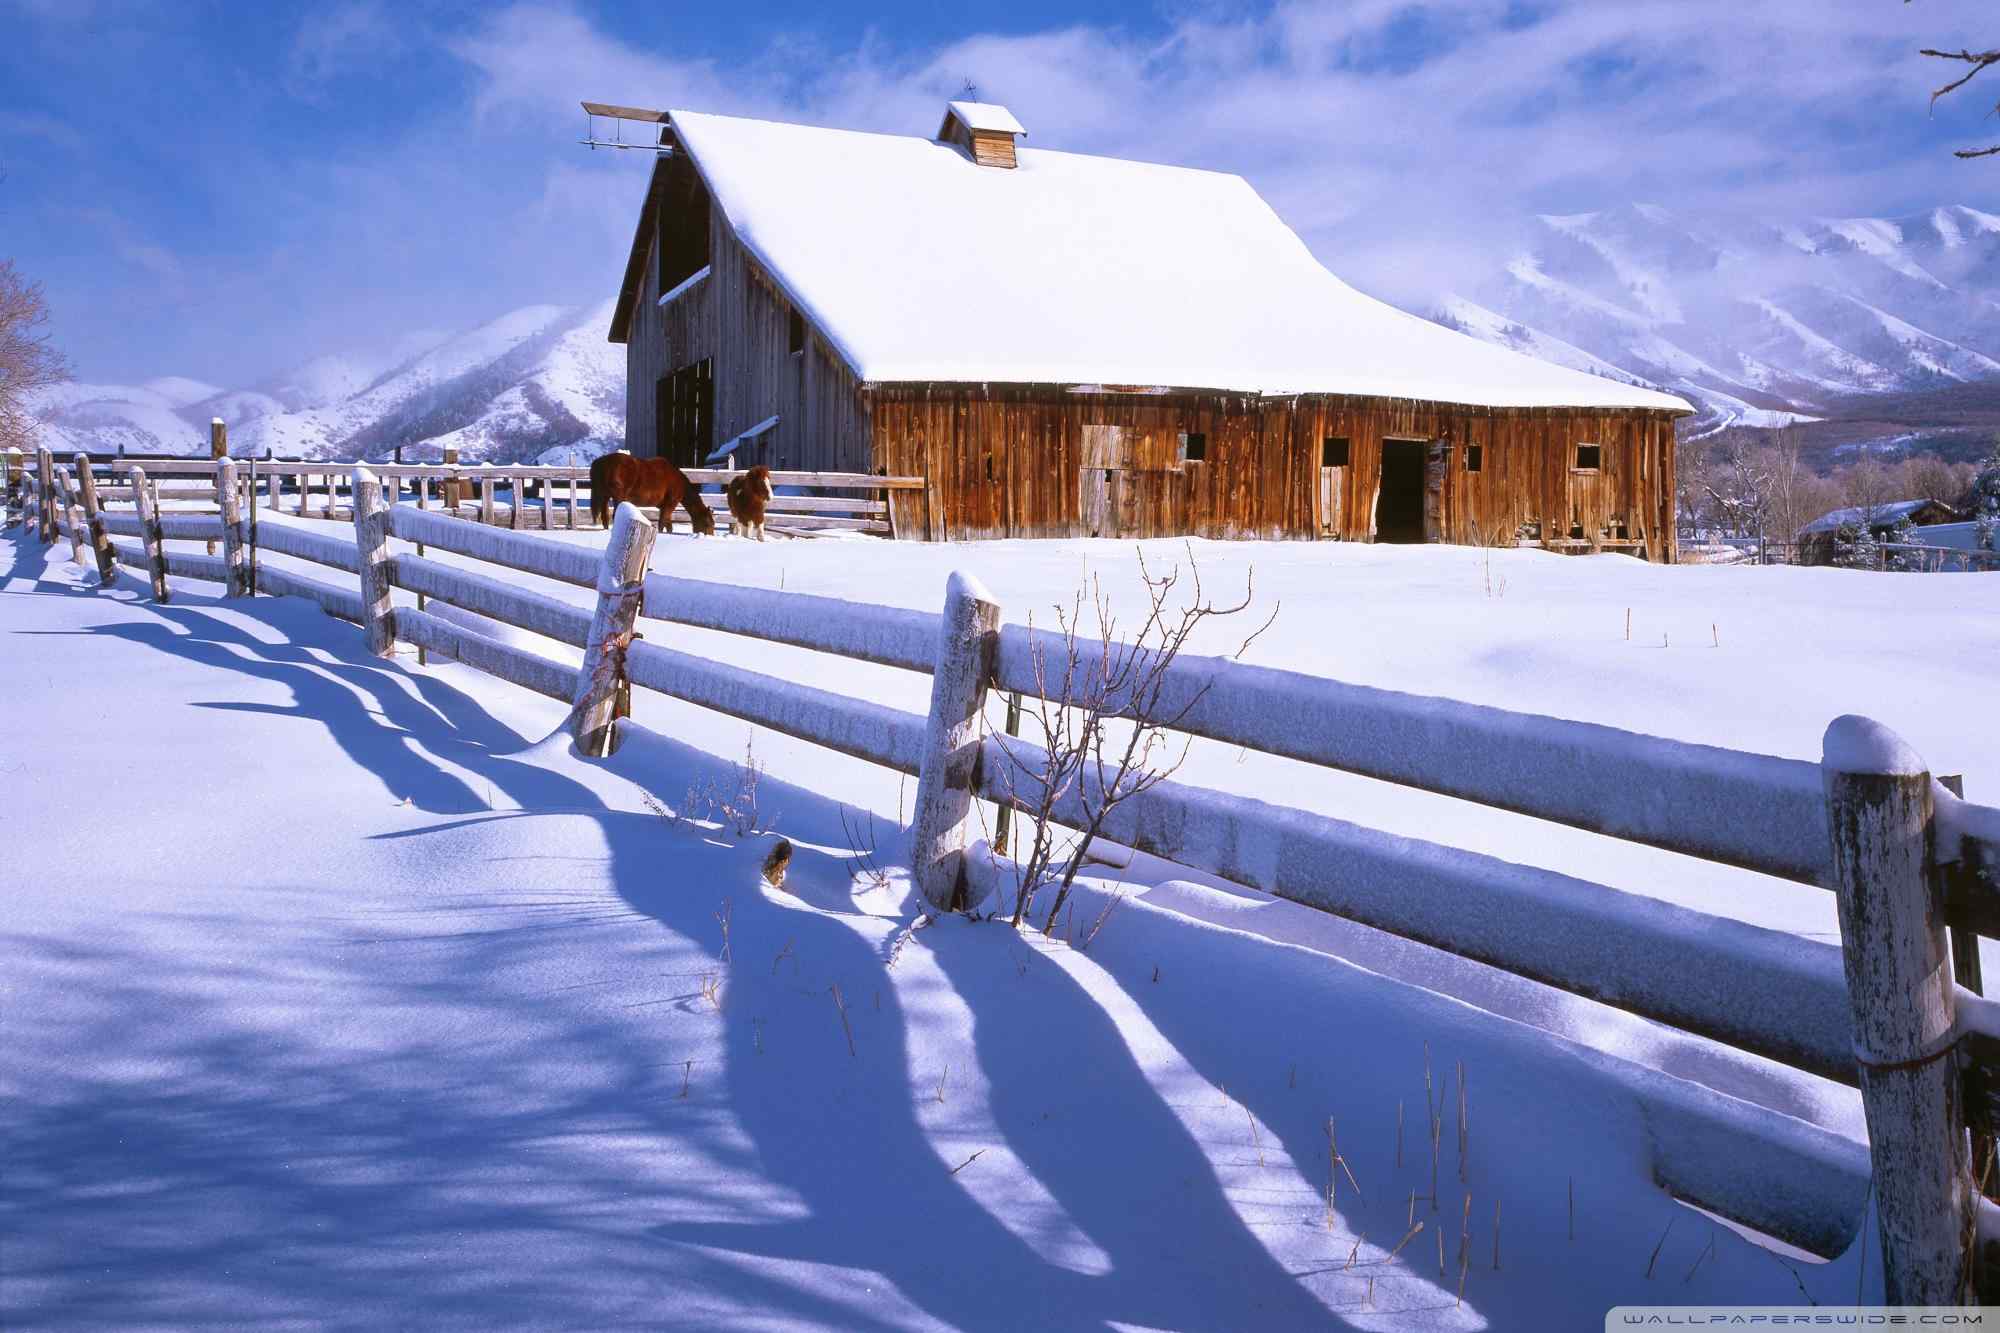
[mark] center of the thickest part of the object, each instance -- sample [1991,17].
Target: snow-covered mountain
[1759,322]
[538,380]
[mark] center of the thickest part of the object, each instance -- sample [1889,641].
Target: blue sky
[222,190]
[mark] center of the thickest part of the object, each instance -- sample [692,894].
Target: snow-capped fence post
[235,556]
[620,586]
[149,532]
[93,518]
[371,540]
[71,517]
[45,486]
[25,511]
[486,494]
[968,638]
[1899,985]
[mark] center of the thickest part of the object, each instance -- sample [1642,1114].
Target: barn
[1065,345]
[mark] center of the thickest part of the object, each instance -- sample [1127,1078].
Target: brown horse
[748,496]
[648,482]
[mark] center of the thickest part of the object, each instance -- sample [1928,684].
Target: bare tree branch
[27,359]
[1980,61]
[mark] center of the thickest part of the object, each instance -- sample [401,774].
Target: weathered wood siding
[740,320]
[1008,461]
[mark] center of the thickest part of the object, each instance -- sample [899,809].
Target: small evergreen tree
[1854,547]
[1904,533]
[1986,500]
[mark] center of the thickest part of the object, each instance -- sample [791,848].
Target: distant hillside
[537,379]
[1760,322]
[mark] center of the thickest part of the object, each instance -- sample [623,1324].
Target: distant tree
[1867,486]
[1739,487]
[1979,62]
[27,360]
[1985,499]
[1929,477]
[1694,466]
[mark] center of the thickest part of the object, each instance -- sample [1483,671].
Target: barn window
[1194,447]
[1475,457]
[1589,457]
[1333,451]
[798,331]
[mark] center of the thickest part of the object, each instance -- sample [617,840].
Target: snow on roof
[919,265]
[987,116]
[1879,516]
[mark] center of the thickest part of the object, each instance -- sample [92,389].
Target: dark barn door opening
[1399,511]
[684,415]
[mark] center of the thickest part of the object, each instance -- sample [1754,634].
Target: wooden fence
[1895,1008]
[505,495]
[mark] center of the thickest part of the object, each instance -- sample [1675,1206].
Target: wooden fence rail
[472,491]
[1906,857]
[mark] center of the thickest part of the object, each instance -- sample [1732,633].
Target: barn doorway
[684,415]
[1400,504]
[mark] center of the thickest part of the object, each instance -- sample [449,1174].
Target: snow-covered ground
[332,997]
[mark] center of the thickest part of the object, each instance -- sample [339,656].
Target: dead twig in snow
[845,1026]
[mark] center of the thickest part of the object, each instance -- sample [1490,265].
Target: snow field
[383,1014]
[821,773]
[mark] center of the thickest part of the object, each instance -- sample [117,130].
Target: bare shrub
[739,809]
[860,835]
[1103,706]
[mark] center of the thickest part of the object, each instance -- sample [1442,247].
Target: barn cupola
[985,131]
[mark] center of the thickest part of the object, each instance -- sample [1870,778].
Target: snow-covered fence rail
[517,496]
[548,498]
[1902,871]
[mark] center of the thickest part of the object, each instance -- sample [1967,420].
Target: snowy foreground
[332,997]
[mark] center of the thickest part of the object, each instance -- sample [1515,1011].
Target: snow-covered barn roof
[919,265]
[1885,515]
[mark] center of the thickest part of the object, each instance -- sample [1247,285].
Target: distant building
[1816,539]
[1066,345]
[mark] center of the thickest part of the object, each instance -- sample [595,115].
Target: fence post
[619,587]
[234,555]
[1899,986]
[939,827]
[486,494]
[69,518]
[371,540]
[93,517]
[149,533]
[218,449]
[454,494]
[45,470]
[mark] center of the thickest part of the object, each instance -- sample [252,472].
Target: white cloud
[1403,141]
